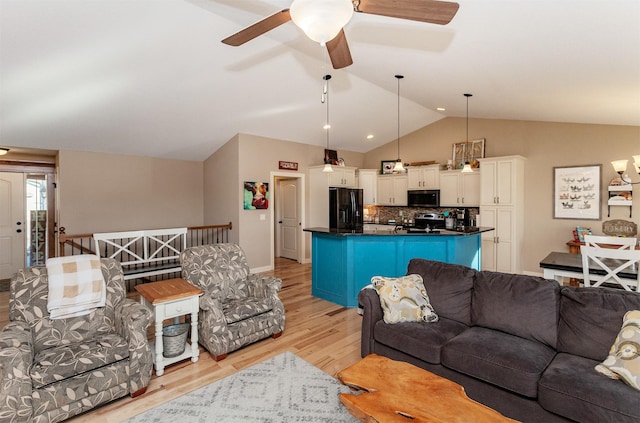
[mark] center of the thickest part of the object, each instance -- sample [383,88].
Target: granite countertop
[392,232]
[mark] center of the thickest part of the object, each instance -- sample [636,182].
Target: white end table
[167,299]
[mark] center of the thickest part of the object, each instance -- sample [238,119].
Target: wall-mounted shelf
[620,195]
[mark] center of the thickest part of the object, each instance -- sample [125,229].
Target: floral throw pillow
[623,361]
[404,299]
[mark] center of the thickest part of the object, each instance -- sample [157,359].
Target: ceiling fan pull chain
[325,57]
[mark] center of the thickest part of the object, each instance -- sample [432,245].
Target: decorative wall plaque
[618,227]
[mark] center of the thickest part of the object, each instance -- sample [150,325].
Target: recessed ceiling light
[370,136]
[327,126]
[441,109]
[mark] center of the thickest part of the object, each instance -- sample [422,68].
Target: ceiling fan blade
[431,11]
[339,51]
[258,28]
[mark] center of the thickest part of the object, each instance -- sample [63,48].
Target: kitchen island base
[342,264]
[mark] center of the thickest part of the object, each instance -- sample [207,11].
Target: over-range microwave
[423,198]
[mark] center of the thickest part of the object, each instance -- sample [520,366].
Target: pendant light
[398,166]
[620,166]
[327,125]
[467,165]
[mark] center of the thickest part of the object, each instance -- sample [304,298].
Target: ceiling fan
[323,20]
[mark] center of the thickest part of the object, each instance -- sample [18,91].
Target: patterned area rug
[284,388]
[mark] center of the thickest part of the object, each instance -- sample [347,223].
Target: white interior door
[289,222]
[12,223]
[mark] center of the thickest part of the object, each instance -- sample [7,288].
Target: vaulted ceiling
[152,78]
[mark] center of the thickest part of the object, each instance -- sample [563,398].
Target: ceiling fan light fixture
[3,151]
[321,20]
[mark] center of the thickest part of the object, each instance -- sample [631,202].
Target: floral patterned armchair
[237,308]
[54,369]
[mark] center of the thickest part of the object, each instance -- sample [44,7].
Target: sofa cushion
[623,361]
[505,360]
[590,319]
[526,306]
[404,299]
[449,287]
[241,309]
[572,388]
[59,363]
[421,340]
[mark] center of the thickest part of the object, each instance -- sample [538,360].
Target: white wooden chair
[622,243]
[613,262]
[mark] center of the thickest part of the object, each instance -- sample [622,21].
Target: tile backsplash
[399,213]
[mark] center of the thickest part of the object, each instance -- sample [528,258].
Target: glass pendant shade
[636,163]
[467,168]
[327,168]
[619,166]
[321,20]
[398,166]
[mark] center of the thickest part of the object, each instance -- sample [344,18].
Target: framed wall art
[386,166]
[576,192]
[256,195]
[330,157]
[471,150]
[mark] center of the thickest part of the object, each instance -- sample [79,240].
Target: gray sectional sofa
[520,344]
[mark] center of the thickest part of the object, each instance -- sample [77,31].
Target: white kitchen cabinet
[368,181]
[423,177]
[499,253]
[501,180]
[319,183]
[458,189]
[392,190]
[502,207]
[342,176]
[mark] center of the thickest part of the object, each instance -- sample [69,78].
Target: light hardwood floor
[324,334]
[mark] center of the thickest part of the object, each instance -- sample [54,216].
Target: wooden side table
[167,299]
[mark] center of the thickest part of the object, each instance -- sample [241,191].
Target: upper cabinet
[368,181]
[458,189]
[342,176]
[423,177]
[392,190]
[501,177]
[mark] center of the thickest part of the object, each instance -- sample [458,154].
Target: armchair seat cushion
[63,362]
[245,308]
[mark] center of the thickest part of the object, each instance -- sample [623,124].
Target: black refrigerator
[345,209]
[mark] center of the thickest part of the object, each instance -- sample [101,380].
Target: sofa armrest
[16,355]
[371,313]
[132,322]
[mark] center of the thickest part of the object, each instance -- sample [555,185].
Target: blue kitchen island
[343,263]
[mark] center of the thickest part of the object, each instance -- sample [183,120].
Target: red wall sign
[287,165]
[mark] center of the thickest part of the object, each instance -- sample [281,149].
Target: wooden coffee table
[398,391]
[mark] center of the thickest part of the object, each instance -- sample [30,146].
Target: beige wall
[107,192]
[221,196]
[545,145]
